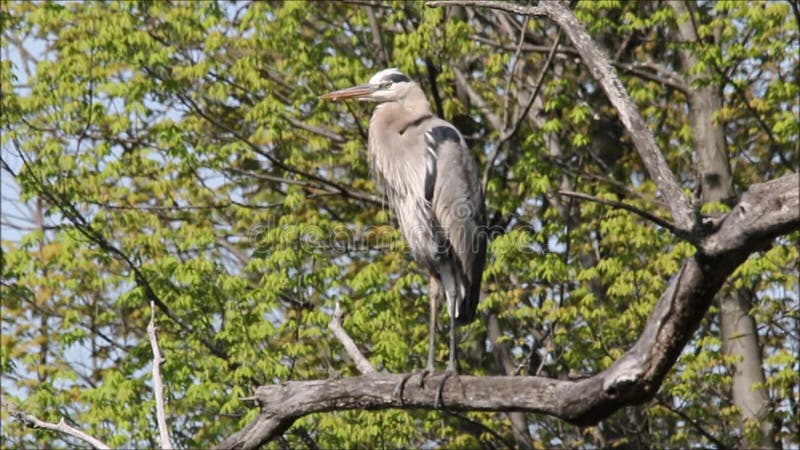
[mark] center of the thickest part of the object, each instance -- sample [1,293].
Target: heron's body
[445,232]
[431,180]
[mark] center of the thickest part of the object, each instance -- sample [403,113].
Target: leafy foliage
[177,152]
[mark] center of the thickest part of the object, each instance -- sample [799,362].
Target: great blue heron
[424,167]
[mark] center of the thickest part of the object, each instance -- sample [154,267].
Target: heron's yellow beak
[363,91]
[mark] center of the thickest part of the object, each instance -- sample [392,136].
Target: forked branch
[633,379]
[603,71]
[767,211]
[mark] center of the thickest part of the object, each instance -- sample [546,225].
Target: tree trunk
[738,328]
[740,339]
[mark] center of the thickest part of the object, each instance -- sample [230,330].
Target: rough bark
[740,340]
[766,211]
[601,69]
[738,327]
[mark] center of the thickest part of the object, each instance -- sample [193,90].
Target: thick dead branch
[34,422]
[766,211]
[601,70]
[633,379]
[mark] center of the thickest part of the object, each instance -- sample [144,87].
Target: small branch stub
[158,388]
[335,325]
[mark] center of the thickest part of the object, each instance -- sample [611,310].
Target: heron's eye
[386,85]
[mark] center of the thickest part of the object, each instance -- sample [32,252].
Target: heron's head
[388,85]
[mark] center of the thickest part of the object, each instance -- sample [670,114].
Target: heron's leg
[433,298]
[433,294]
[452,365]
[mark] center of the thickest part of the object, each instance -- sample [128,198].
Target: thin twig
[657,76]
[503,6]
[639,212]
[720,445]
[85,227]
[475,97]
[510,78]
[335,326]
[322,131]
[158,388]
[509,133]
[34,422]
[599,65]
[483,427]
[354,193]
[660,75]
[325,183]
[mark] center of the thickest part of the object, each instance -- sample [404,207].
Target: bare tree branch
[767,210]
[87,229]
[510,132]
[475,97]
[322,131]
[34,422]
[694,424]
[512,71]
[350,347]
[667,78]
[714,180]
[377,36]
[323,182]
[158,388]
[352,193]
[601,69]
[654,72]
[639,212]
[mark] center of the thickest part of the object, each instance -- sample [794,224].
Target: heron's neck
[395,117]
[415,103]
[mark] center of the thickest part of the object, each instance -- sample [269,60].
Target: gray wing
[453,191]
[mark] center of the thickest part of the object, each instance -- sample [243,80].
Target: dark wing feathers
[454,194]
[434,138]
[431,149]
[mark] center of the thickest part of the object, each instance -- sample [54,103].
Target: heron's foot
[437,403]
[422,374]
[398,391]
